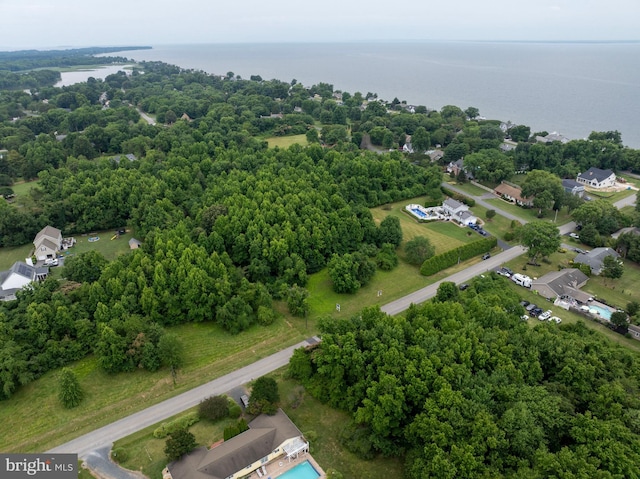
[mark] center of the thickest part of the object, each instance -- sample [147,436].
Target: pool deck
[274,469]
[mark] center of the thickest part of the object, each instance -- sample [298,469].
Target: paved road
[430,291]
[628,201]
[105,436]
[146,117]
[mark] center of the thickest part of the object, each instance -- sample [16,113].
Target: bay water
[571,88]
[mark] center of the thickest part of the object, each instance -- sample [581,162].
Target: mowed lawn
[443,235]
[387,286]
[22,191]
[146,454]
[287,141]
[34,420]
[531,214]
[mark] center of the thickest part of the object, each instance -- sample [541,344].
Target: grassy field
[110,248]
[611,197]
[37,421]
[145,453]
[469,189]
[11,254]
[530,214]
[22,190]
[443,235]
[286,141]
[497,226]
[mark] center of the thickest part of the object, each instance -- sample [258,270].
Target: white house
[17,277]
[48,243]
[458,212]
[597,178]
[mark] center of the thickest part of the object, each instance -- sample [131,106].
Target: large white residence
[597,178]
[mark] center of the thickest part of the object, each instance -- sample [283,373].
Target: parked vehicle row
[478,229]
[536,312]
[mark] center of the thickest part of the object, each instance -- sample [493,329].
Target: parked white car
[555,319]
[574,236]
[546,315]
[51,262]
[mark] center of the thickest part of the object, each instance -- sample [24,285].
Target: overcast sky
[63,23]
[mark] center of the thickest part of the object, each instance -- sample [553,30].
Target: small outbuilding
[134,243]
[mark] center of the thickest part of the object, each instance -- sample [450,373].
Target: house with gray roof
[573,187]
[595,258]
[564,284]
[597,178]
[19,276]
[48,243]
[268,438]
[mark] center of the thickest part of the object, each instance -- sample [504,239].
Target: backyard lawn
[531,214]
[469,189]
[287,141]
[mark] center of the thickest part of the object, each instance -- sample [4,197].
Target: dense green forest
[229,225]
[462,388]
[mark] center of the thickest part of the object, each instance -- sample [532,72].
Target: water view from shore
[571,88]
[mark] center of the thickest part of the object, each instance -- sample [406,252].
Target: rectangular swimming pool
[301,471]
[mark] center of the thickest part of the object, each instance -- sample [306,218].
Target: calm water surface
[572,88]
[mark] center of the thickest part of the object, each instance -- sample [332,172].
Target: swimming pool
[301,471]
[419,213]
[602,312]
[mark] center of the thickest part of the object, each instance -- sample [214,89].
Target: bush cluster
[445,260]
[182,422]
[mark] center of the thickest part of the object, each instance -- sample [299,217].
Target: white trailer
[522,280]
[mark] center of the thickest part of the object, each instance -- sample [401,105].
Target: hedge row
[445,260]
[458,197]
[182,422]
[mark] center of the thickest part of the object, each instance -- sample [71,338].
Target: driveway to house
[105,436]
[479,200]
[628,201]
[146,117]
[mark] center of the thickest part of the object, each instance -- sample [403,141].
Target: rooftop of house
[264,435]
[453,204]
[594,173]
[48,232]
[569,183]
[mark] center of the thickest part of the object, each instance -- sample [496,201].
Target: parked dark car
[536,312]
[524,303]
[463,286]
[486,256]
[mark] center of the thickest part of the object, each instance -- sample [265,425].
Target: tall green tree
[70,392]
[178,444]
[541,238]
[419,249]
